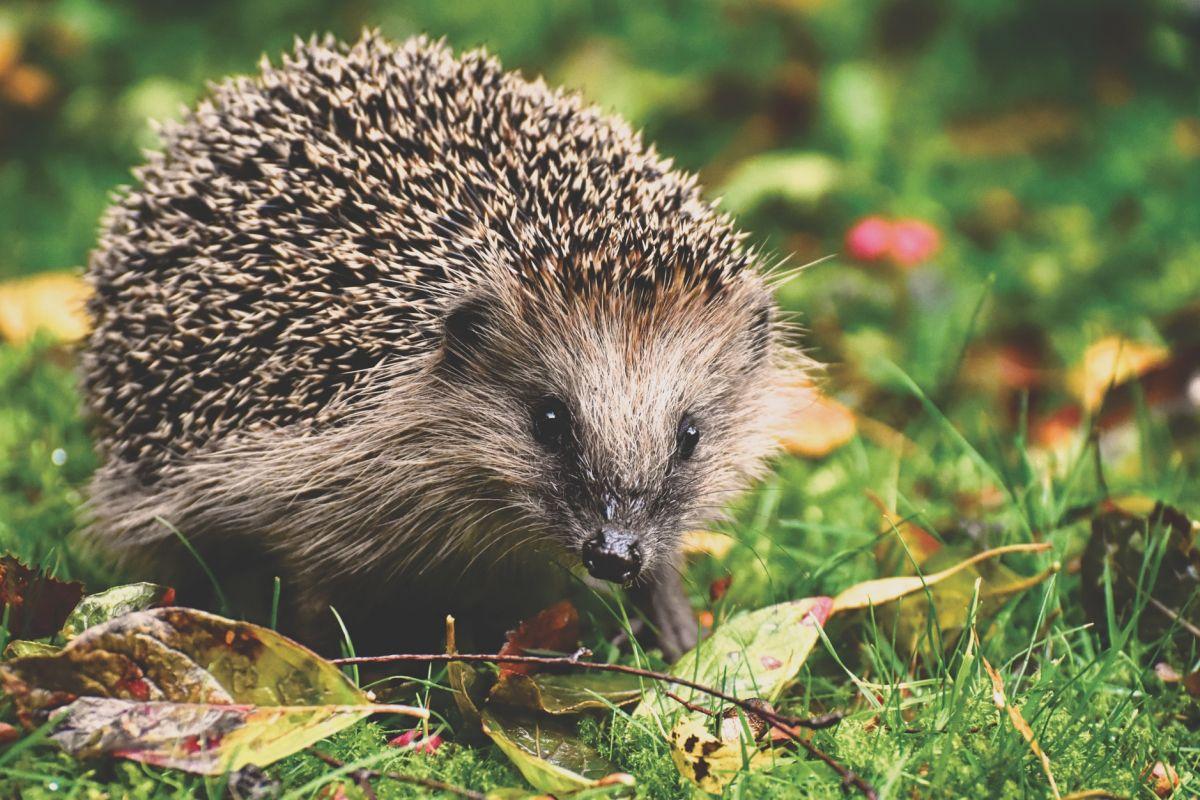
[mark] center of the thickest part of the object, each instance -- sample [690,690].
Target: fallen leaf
[20,648]
[716,545]
[818,425]
[37,604]
[708,761]
[98,608]
[53,302]
[466,682]
[547,751]
[200,738]
[1122,544]
[1162,778]
[883,590]
[1112,361]
[554,629]
[755,652]
[1018,722]
[566,694]
[141,686]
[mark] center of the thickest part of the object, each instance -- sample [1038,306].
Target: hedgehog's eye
[551,422]
[687,437]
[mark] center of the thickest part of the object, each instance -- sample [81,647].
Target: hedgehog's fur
[321,314]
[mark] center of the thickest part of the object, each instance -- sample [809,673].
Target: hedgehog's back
[304,227]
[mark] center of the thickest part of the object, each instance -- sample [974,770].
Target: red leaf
[38,604]
[555,628]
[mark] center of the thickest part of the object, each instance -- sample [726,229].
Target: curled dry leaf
[884,590]
[553,629]
[37,604]
[1112,361]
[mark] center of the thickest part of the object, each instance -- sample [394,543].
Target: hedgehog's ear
[463,330]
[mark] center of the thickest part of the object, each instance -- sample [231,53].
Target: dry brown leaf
[818,425]
[1112,361]
[1162,777]
[1018,721]
[53,302]
[555,628]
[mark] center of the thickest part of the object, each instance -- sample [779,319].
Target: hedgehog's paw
[665,603]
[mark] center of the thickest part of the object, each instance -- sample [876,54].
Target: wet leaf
[708,761]
[555,629]
[566,694]
[755,652]
[37,604]
[547,751]
[52,302]
[884,590]
[95,609]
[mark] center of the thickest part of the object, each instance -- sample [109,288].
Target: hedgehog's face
[615,427]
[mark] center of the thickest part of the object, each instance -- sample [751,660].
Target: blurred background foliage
[1049,152]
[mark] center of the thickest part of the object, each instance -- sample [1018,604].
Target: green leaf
[139,685]
[97,608]
[755,653]
[566,694]
[548,753]
[21,648]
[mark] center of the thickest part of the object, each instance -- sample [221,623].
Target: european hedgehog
[422,336]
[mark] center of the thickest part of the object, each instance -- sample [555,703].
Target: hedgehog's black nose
[613,555]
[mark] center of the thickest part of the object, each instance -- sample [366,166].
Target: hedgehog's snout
[613,554]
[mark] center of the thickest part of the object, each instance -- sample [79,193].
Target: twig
[778,721]
[687,705]
[363,776]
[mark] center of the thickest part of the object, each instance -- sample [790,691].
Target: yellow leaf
[1112,361]
[707,761]
[818,426]
[53,302]
[716,545]
[884,590]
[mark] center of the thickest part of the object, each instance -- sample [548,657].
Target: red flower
[870,239]
[413,740]
[914,241]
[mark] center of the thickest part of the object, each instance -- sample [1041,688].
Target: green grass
[1098,710]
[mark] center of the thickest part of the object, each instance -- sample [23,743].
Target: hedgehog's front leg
[665,603]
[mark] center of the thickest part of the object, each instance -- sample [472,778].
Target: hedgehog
[420,336]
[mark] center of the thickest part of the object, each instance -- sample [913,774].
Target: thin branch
[363,776]
[783,723]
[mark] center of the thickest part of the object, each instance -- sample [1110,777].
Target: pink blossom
[870,239]
[914,241]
